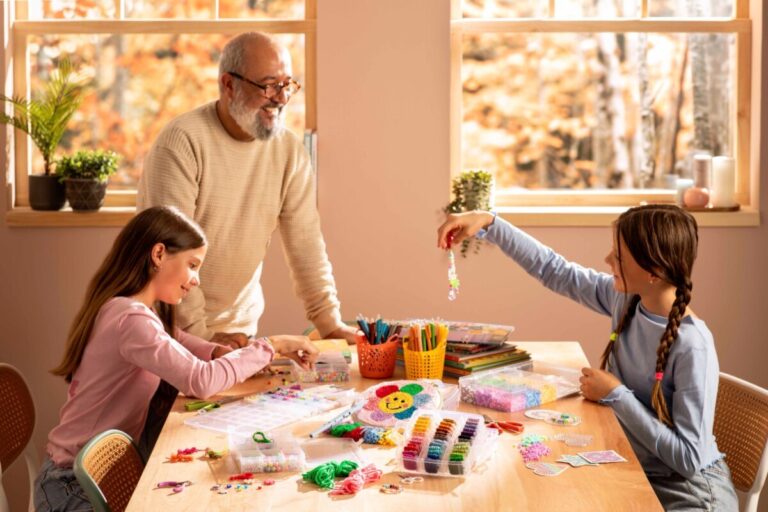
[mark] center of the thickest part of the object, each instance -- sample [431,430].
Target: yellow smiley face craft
[389,402]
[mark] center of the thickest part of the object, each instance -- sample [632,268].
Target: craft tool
[207,405]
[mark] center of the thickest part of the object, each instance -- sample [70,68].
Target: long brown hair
[127,270]
[663,240]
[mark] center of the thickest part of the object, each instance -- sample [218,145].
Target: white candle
[723,181]
[683,184]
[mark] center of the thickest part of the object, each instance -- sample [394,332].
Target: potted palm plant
[85,177]
[45,120]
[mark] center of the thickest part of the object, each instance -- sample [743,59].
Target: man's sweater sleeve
[170,178]
[304,246]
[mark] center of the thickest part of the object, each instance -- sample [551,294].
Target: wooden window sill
[106,217]
[598,216]
[555,216]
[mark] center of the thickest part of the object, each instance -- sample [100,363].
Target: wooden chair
[108,468]
[17,421]
[741,432]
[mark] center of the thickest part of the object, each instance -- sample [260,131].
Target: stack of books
[472,347]
[462,358]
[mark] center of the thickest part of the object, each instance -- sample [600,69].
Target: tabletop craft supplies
[377,348]
[519,386]
[445,443]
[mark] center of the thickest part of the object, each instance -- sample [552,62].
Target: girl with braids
[123,341]
[659,372]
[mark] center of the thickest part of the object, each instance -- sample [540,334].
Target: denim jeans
[57,490]
[710,489]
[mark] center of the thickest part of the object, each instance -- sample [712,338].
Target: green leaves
[89,164]
[45,119]
[471,191]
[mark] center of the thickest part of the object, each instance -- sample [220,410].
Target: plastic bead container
[283,453]
[520,386]
[329,367]
[445,443]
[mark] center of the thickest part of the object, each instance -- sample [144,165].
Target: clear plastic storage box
[282,453]
[445,443]
[519,386]
[329,367]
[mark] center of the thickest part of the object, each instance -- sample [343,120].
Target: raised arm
[586,286]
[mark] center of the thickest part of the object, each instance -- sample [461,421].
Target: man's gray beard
[249,121]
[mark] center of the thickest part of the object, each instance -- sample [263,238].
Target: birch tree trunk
[647,134]
[718,72]
[702,132]
[612,109]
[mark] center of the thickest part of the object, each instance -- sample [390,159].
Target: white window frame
[600,207]
[119,206]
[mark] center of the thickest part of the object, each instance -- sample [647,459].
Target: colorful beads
[532,447]
[453,278]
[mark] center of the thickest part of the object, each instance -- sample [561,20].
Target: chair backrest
[741,431]
[108,468]
[17,420]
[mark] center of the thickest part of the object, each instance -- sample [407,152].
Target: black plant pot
[45,192]
[85,194]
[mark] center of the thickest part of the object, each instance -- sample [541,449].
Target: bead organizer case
[281,453]
[445,443]
[329,367]
[272,409]
[517,387]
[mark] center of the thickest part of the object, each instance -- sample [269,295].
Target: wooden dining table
[501,483]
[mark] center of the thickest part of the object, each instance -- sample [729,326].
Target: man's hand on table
[346,332]
[234,340]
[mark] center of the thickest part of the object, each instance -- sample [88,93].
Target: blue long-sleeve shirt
[690,379]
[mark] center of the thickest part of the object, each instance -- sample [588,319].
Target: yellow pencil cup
[424,365]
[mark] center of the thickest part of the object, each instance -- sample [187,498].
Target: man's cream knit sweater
[240,192]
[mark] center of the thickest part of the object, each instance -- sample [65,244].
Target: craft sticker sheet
[575,461]
[602,457]
[546,468]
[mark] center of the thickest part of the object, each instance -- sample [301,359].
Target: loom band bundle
[324,475]
[356,480]
[368,434]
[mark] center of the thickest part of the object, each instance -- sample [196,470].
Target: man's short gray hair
[233,54]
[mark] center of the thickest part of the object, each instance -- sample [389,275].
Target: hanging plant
[472,190]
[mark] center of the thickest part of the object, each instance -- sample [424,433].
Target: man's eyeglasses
[290,86]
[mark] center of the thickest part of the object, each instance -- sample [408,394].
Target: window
[145,62]
[599,102]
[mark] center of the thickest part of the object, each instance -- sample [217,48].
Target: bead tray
[329,367]
[519,386]
[445,443]
[283,453]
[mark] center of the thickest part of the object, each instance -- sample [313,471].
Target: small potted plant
[472,190]
[85,177]
[45,120]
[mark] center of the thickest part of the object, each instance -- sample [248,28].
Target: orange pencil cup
[424,364]
[376,361]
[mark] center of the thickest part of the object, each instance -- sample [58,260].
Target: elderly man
[232,166]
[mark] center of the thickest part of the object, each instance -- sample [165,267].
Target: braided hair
[663,240]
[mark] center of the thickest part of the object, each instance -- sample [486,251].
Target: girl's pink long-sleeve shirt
[127,355]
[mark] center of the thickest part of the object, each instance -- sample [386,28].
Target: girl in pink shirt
[123,341]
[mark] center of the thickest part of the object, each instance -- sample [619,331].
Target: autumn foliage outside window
[551,102]
[139,81]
